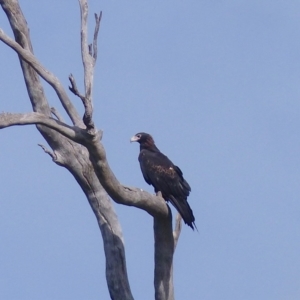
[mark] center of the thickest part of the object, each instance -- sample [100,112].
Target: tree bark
[75,158]
[78,148]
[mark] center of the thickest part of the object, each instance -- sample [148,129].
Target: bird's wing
[167,178]
[160,172]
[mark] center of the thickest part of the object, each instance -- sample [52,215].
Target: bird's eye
[138,136]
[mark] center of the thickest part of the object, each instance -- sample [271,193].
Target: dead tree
[78,148]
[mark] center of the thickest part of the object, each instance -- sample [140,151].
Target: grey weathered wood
[163,258]
[177,229]
[154,205]
[81,152]
[74,157]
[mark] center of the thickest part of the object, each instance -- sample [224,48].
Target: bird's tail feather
[185,211]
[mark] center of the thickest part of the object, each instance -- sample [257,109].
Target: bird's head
[143,139]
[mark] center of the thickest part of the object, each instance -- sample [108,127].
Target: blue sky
[217,83]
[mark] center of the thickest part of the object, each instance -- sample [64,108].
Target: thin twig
[96,32]
[55,158]
[73,88]
[56,113]
[49,152]
[87,117]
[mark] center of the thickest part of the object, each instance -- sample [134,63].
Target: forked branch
[154,205]
[74,89]
[76,159]
[165,242]
[46,75]
[89,56]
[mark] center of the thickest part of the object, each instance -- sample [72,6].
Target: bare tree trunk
[78,149]
[164,249]
[74,157]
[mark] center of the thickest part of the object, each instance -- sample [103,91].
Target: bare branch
[56,113]
[49,152]
[46,75]
[154,205]
[86,58]
[73,88]
[55,158]
[52,154]
[88,66]
[76,159]
[87,117]
[177,229]
[95,42]
[74,133]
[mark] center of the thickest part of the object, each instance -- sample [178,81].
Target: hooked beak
[134,139]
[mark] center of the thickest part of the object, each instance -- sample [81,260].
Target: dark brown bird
[164,176]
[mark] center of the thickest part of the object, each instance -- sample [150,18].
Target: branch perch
[155,206]
[91,160]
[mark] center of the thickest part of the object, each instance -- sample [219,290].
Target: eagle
[159,171]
